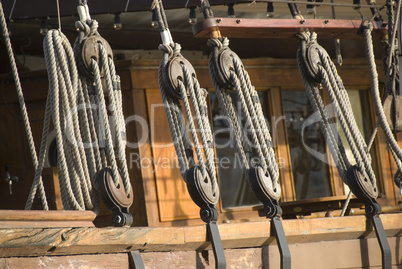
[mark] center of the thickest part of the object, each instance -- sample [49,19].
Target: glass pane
[311,175]
[234,185]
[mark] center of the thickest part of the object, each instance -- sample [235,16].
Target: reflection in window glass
[306,143]
[234,185]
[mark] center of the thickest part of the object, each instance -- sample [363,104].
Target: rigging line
[12,10]
[377,13]
[345,206]
[360,13]
[128,2]
[333,10]
[154,4]
[58,14]
[7,105]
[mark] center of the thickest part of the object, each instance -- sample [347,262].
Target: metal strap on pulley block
[178,83]
[229,76]
[317,70]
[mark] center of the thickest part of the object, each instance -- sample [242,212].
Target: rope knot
[368,25]
[172,50]
[220,43]
[304,36]
[88,29]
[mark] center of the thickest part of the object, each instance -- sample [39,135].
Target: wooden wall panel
[174,202]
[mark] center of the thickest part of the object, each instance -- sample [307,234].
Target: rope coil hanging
[76,104]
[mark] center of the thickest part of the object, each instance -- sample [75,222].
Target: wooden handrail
[66,241]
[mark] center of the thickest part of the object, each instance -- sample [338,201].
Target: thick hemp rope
[76,103]
[256,127]
[21,100]
[392,143]
[187,88]
[326,70]
[61,106]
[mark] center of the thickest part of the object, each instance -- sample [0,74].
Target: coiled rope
[77,106]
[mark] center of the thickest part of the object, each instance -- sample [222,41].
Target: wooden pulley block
[360,185]
[262,185]
[173,73]
[89,51]
[223,65]
[200,188]
[115,197]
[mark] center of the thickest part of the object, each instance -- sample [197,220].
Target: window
[234,185]
[311,175]
[361,110]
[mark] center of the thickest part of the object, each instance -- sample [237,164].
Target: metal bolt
[302,21]
[218,20]
[238,21]
[117,219]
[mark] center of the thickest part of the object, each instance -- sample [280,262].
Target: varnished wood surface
[139,85]
[174,201]
[280,139]
[45,219]
[281,28]
[62,241]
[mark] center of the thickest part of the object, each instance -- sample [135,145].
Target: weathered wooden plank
[363,253]
[116,260]
[41,215]
[63,241]
[170,260]
[45,219]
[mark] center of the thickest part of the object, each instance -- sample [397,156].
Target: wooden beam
[65,241]
[282,28]
[45,219]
